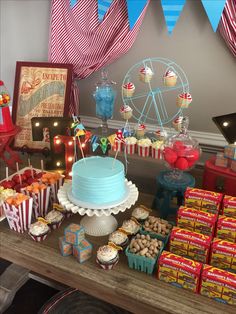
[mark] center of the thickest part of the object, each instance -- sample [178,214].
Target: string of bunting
[171,10]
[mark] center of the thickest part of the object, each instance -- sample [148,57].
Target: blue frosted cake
[98,180]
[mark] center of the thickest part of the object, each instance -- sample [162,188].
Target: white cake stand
[98,222]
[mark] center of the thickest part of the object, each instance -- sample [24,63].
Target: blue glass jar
[104,96]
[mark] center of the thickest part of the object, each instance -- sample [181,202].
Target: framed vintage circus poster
[40,90]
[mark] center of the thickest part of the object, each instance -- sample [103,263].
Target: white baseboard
[204,138]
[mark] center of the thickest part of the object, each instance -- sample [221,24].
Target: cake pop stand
[98,222]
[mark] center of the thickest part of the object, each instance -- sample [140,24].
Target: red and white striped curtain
[227,25]
[79,38]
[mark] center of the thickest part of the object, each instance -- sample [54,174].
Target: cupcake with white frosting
[130,145]
[39,231]
[119,237]
[161,135]
[128,89]
[144,147]
[170,78]
[131,226]
[141,213]
[126,112]
[145,74]
[177,123]
[183,100]
[107,256]
[54,219]
[140,130]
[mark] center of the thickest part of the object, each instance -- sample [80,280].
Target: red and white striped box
[54,188]
[118,146]
[40,201]
[19,217]
[156,153]
[130,149]
[143,151]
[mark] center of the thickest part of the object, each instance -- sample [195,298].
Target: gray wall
[209,65]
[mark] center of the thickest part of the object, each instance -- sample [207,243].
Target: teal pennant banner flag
[135,8]
[214,9]
[172,10]
[73,3]
[103,6]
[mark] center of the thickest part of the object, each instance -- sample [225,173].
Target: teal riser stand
[168,189]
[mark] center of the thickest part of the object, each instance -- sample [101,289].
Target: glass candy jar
[104,96]
[180,151]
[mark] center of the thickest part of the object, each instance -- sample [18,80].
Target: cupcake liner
[127,115]
[130,149]
[107,266]
[146,78]
[55,225]
[170,81]
[143,151]
[39,238]
[156,153]
[128,93]
[183,103]
[40,201]
[19,217]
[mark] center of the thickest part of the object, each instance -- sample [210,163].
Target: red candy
[182,163]
[7,184]
[193,155]
[169,155]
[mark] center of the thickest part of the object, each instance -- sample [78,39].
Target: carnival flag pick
[103,6]
[94,143]
[103,144]
[214,9]
[172,10]
[135,8]
[73,3]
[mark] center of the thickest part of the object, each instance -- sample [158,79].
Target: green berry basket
[143,263]
[155,235]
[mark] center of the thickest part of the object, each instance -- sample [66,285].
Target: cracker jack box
[218,284]
[226,228]
[230,151]
[229,206]
[179,271]
[196,220]
[190,244]
[207,201]
[223,255]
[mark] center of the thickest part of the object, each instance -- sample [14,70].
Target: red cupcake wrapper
[55,225]
[107,266]
[19,217]
[39,238]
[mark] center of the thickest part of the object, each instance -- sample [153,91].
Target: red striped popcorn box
[143,151]
[19,217]
[156,153]
[130,149]
[40,201]
[54,188]
[118,146]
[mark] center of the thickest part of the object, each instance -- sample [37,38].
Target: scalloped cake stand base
[98,222]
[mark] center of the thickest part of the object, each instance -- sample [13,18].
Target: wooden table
[122,286]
